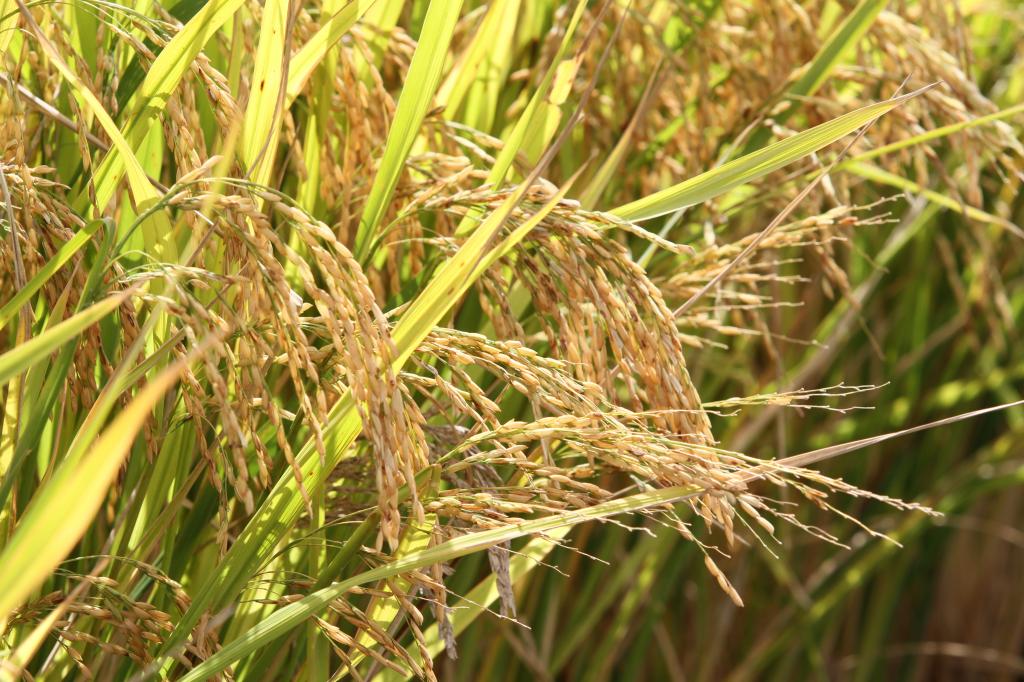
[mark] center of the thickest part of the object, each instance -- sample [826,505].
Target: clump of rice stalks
[341,296]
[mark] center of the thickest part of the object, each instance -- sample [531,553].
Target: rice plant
[371,339]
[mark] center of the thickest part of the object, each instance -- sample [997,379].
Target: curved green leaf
[312,53]
[293,615]
[417,95]
[62,510]
[755,165]
[38,348]
[160,81]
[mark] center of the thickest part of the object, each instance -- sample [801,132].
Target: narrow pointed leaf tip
[748,168]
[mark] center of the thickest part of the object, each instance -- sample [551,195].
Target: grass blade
[313,52]
[69,249]
[876,174]
[413,104]
[283,620]
[141,188]
[476,602]
[755,165]
[37,349]
[940,132]
[479,75]
[8,21]
[64,507]
[161,79]
[842,40]
[262,123]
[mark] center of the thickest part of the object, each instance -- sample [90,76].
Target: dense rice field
[511,340]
